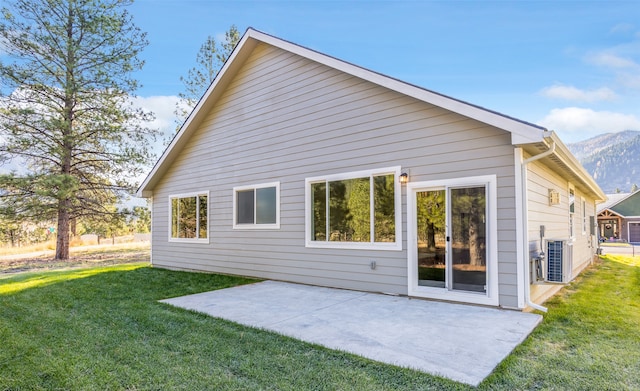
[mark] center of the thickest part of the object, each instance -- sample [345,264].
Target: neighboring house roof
[625,205]
[533,138]
[612,199]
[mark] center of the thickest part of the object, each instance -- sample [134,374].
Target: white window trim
[491,297]
[585,218]
[395,246]
[571,215]
[189,240]
[254,225]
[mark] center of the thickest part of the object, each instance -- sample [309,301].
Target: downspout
[525,217]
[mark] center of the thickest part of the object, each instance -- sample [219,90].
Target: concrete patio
[459,342]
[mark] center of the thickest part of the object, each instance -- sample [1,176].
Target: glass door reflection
[431,238]
[468,239]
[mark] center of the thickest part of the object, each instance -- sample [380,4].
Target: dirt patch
[42,262]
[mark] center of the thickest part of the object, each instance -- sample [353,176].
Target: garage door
[634,232]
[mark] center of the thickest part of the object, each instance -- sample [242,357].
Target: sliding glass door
[451,238]
[432,234]
[468,266]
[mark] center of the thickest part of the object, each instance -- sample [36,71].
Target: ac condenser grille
[555,255]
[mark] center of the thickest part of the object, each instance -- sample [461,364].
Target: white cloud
[622,28]
[559,91]
[165,119]
[611,60]
[629,79]
[163,107]
[622,61]
[576,123]
[619,72]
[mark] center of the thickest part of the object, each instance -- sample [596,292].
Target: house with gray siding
[300,167]
[619,218]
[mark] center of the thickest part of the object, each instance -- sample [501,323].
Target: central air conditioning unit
[559,261]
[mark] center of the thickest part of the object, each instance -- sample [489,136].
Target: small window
[354,210]
[584,217]
[189,217]
[572,210]
[256,206]
[572,201]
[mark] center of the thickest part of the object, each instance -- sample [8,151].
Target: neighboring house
[300,167]
[619,218]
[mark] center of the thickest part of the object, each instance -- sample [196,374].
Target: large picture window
[256,206]
[356,210]
[189,217]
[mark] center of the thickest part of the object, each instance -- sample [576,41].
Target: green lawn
[103,329]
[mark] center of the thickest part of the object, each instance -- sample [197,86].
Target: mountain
[589,147]
[613,159]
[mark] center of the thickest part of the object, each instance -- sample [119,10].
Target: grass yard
[589,339]
[101,328]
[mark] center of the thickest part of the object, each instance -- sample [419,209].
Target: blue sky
[572,66]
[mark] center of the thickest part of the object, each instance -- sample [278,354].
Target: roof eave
[612,211]
[521,132]
[563,153]
[579,169]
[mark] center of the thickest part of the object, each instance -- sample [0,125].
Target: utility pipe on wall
[525,217]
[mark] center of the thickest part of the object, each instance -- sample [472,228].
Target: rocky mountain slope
[613,159]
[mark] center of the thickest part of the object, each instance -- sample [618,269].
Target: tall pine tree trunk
[64,204]
[62,240]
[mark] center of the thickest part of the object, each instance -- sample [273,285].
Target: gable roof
[522,133]
[625,205]
[612,199]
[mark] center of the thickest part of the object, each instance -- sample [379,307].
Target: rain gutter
[525,217]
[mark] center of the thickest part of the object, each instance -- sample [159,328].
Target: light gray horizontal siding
[284,118]
[555,218]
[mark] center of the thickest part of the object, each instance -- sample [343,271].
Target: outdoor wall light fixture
[404,178]
[554,197]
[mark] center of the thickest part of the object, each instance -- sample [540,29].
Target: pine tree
[66,111]
[209,61]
